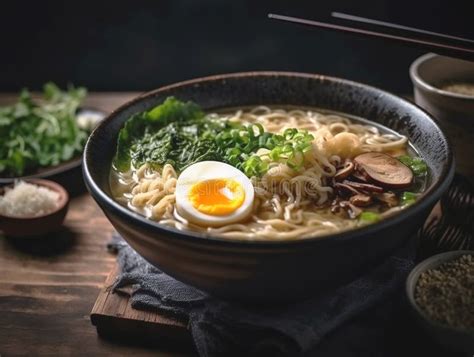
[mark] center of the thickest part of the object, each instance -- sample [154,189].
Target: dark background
[140,45]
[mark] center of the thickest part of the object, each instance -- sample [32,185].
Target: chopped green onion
[419,167]
[416,164]
[405,159]
[254,166]
[296,160]
[289,133]
[369,217]
[408,198]
[239,143]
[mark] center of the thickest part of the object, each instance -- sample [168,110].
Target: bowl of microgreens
[43,137]
[440,291]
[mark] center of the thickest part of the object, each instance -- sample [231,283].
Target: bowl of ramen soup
[444,87]
[267,186]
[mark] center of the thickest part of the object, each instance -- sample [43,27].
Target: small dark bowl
[15,226]
[272,270]
[452,338]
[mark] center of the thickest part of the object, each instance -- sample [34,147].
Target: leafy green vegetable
[369,217]
[181,134]
[416,164]
[40,134]
[142,134]
[407,198]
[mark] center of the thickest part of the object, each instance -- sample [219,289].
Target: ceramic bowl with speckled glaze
[272,270]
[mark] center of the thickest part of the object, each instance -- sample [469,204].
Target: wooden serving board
[114,316]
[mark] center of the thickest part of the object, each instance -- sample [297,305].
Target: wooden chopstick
[365,20]
[446,49]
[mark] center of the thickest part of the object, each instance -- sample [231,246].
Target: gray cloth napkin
[346,317]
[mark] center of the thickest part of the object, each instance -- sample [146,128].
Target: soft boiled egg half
[212,194]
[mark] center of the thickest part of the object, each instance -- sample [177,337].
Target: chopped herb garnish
[181,134]
[369,217]
[416,164]
[407,198]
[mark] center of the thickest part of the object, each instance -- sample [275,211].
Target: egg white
[208,170]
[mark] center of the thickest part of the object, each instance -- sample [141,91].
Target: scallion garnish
[407,198]
[369,217]
[416,164]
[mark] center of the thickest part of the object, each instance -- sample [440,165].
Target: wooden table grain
[49,285]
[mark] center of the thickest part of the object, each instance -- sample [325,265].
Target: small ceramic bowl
[454,112]
[452,338]
[15,226]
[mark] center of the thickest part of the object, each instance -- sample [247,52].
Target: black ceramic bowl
[451,338]
[269,270]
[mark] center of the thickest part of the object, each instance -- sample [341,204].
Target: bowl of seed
[440,291]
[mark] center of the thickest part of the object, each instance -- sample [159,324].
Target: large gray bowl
[266,270]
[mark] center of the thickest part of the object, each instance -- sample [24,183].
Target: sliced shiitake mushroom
[384,170]
[360,176]
[389,198]
[366,187]
[345,171]
[345,190]
[351,210]
[361,200]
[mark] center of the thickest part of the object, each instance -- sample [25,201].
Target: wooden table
[48,287]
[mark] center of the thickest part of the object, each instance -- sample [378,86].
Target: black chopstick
[446,49]
[365,20]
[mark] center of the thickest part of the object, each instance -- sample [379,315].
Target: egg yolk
[217,197]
